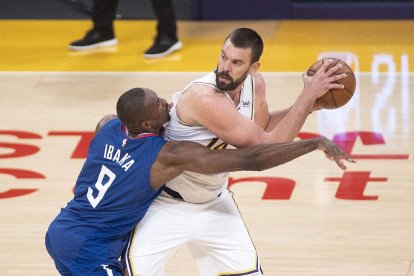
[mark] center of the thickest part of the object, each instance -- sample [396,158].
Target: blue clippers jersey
[112,194]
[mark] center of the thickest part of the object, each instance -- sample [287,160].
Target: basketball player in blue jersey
[225,107]
[126,167]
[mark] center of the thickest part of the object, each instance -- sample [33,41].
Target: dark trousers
[104,11]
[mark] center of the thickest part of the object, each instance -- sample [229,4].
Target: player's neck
[235,95]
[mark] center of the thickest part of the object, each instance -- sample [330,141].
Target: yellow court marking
[290,45]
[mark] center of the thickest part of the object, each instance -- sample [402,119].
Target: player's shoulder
[204,93]
[259,84]
[104,121]
[258,79]
[201,88]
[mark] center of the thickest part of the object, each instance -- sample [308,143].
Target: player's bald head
[131,107]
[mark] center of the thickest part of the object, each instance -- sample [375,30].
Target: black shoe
[94,39]
[163,46]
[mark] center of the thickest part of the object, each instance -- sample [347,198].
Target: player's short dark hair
[247,38]
[130,107]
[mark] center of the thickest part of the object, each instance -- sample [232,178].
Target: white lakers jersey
[195,187]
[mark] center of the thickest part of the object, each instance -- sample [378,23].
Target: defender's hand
[334,152]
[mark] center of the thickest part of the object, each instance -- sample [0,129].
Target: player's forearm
[265,156]
[291,120]
[275,117]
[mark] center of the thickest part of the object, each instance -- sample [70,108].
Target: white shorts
[214,232]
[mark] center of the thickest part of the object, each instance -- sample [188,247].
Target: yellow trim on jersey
[217,144]
[252,96]
[128,250]
[244,272]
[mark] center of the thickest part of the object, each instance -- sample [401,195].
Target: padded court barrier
[303,9]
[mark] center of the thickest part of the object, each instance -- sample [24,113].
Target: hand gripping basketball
[335,98]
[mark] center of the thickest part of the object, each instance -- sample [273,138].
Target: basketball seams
[333,98]
[337,61]
[347,90]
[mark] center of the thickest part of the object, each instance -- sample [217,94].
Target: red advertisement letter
[307,135]
[352,185]
[81,150]
[347,141]
[19,150]
[18,173]
[276,187]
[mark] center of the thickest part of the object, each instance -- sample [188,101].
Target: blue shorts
[81,257]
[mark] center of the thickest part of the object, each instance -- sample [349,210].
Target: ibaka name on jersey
[114,154]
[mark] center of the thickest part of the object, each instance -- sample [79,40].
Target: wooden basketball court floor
[306,217]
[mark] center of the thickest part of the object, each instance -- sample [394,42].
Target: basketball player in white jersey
[226,107]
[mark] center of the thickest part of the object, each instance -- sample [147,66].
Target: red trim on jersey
[142,135]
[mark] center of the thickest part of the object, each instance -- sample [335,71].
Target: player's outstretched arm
[265,156]
[176,157]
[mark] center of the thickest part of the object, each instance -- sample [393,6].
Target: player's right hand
[323,80]
[334,152]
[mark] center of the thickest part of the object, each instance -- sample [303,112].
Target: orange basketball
[335,98]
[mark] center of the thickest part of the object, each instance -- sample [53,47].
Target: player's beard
[233,84]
